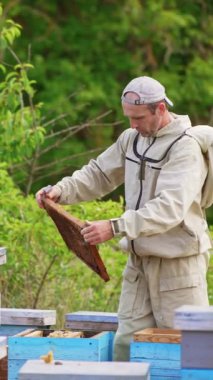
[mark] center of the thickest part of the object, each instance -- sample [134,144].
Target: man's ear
[161,108]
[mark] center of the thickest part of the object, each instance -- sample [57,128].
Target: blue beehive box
[196,374]
[23,348]
[96,321]
[161,348]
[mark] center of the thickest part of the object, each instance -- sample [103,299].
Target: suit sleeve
[98,178]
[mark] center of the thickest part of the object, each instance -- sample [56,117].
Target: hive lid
[95,316]
[70,230]
[38,370]
[3,257]
[28,317]
[190,317]
[2,251]
[3,340]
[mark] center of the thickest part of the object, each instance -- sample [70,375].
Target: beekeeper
[163,227]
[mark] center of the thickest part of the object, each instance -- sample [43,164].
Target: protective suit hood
[203,134]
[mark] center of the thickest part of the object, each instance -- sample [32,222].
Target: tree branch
[43,279]
[66,158]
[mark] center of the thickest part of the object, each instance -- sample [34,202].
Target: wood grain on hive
[161,348]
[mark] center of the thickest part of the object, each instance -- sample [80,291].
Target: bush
[41,272]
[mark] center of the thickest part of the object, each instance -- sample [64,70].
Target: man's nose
[133,124]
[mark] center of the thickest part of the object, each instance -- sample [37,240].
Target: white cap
[148,90]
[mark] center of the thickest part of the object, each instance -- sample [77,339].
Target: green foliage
[210,281]
[9,31]
[20,130]
[40,271]
[83,53]
[95,47]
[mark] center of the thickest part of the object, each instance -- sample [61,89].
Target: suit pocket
[181,282]
[178,291]
[133,293]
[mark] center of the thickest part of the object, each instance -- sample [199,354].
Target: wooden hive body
[22,348]
[161,348]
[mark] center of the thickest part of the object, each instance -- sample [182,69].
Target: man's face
[141,118]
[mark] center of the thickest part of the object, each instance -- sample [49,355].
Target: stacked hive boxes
[14,321]
[93,321]
[196,324]
[161,348]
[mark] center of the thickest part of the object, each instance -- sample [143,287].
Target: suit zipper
[141,178]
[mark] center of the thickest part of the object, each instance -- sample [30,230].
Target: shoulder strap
[152,160]
[167,150]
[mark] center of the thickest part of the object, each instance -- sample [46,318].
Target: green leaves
[20,130]
[38,257]
[83,54]
[9,32]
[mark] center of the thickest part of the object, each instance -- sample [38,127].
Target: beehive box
[196,323]
[3,358]
[194,318]
[91,321]
[14,321]
[96,321]
[161,348]
[25,347]
[197,349]
[3,256]
[37,370]
[196,374]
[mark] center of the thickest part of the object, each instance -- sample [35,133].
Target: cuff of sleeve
[115,227]
[59,192]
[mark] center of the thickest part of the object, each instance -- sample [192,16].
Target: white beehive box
[195,318]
